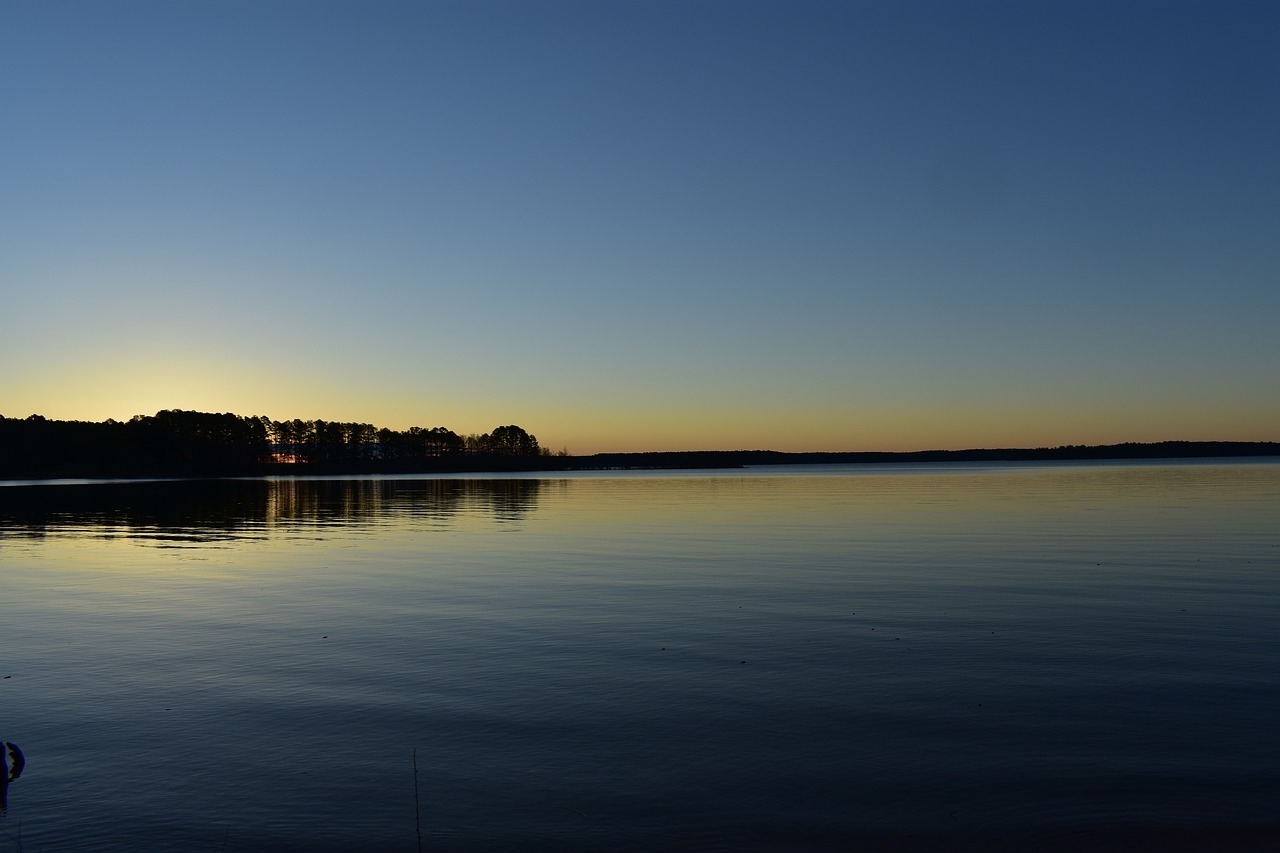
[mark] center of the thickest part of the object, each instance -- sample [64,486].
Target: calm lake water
[1007,657]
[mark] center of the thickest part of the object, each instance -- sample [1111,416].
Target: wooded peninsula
[177,443]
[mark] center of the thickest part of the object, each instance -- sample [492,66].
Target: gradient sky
[649,225]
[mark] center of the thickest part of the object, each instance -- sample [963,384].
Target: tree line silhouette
[177,443]
[174,442]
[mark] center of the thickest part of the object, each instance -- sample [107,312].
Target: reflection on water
[996,658]
[177,512]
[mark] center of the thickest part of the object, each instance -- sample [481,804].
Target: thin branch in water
[417,807]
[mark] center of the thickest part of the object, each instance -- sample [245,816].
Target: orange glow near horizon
[886,431]
[880,422]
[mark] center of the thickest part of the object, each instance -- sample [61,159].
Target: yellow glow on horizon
[123,387]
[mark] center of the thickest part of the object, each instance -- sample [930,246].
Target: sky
[659,225]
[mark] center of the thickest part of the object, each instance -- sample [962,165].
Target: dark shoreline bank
[671,460]
[739,458]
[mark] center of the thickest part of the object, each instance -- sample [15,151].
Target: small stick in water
[417,812]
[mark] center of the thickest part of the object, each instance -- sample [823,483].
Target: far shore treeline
[174,442]
[177,443]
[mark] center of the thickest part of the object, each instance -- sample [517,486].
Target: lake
[980,657]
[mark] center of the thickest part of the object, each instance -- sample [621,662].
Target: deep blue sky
[649,225]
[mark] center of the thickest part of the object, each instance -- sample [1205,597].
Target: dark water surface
[1037,657]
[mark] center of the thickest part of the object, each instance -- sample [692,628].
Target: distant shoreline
[689,460]
[174,443]
[738,458]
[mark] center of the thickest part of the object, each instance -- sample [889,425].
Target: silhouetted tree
[510,441]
